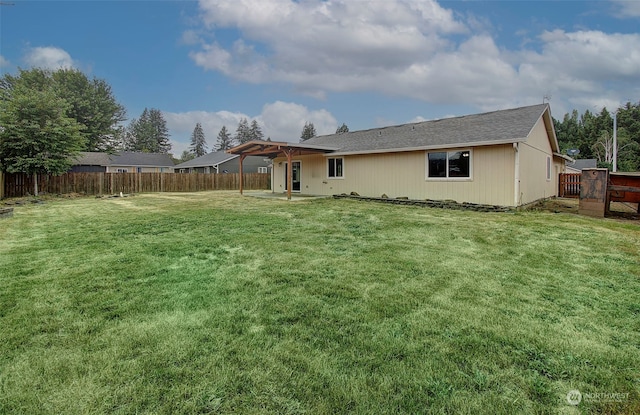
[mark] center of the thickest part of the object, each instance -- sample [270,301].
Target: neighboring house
[507,158]
[222,162]
[577,165]
[123,162]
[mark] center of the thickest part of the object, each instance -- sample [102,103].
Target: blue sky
[364,63]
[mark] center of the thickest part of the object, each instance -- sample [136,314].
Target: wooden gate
[569,184]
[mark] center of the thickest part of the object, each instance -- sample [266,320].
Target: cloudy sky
[364,63]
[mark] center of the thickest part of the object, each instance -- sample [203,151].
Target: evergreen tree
[37,136]
[255,132]
[342,129]
[243,132]
[225,141]
[592,134]
[149,133]
[198,143]
[186,156]
[308,131]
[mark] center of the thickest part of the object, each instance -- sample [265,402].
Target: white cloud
[412,48]
[281,121]
[627,8]
[190,37]
[3,62]
[583,68]
[48,57]
[181,126]
[314,42]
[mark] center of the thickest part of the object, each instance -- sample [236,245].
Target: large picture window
[335,168]
[449,164]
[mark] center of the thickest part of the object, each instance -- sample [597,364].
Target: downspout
[516,190]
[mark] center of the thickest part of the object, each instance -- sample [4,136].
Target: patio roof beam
[277,149]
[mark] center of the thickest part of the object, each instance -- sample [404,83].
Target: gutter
[430,147]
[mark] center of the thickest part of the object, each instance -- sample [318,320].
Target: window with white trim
[262,169]
[335,168]
[123,170]
[449,164]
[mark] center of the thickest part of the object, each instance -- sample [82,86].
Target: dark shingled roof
[89,158]
[511,125]
[580,164]
[141,159]
[124,158]
[210,159]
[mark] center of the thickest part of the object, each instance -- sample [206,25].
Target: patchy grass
[214,303]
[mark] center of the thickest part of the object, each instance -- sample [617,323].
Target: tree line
[47,117]
[245,132]
[592,134]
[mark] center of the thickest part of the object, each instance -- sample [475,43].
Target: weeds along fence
[21,184]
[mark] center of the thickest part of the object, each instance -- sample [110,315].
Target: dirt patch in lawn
[625,211]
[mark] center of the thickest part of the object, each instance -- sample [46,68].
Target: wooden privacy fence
[569,185]
[20,184]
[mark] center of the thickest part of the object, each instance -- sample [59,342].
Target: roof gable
[209,159]
[497,127]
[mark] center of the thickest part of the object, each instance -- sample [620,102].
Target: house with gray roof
[577,165]
[123,162]
[223,162]
[508,158]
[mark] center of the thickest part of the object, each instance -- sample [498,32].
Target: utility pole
[615,141]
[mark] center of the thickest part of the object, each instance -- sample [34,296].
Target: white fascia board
[432,147]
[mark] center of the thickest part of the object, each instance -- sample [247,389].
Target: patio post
[289,175]
[242,156]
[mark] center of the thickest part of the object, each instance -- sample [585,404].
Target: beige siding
[533,167]
[404,174]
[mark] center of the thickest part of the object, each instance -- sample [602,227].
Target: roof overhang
[551,131]
[563,156]
[433,147]
[274,149]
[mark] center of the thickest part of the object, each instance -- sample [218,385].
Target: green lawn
[215,303]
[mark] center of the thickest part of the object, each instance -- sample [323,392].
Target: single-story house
[507,158]
[123,162]
[223,162]
[577,165]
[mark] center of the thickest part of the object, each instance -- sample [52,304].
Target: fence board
[569,185]
[21,184]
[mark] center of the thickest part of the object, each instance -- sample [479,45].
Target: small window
[548,168]
[335,167]
[452,164]
[262,169]
[123,170]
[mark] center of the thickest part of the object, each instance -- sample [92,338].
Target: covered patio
[273,149]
